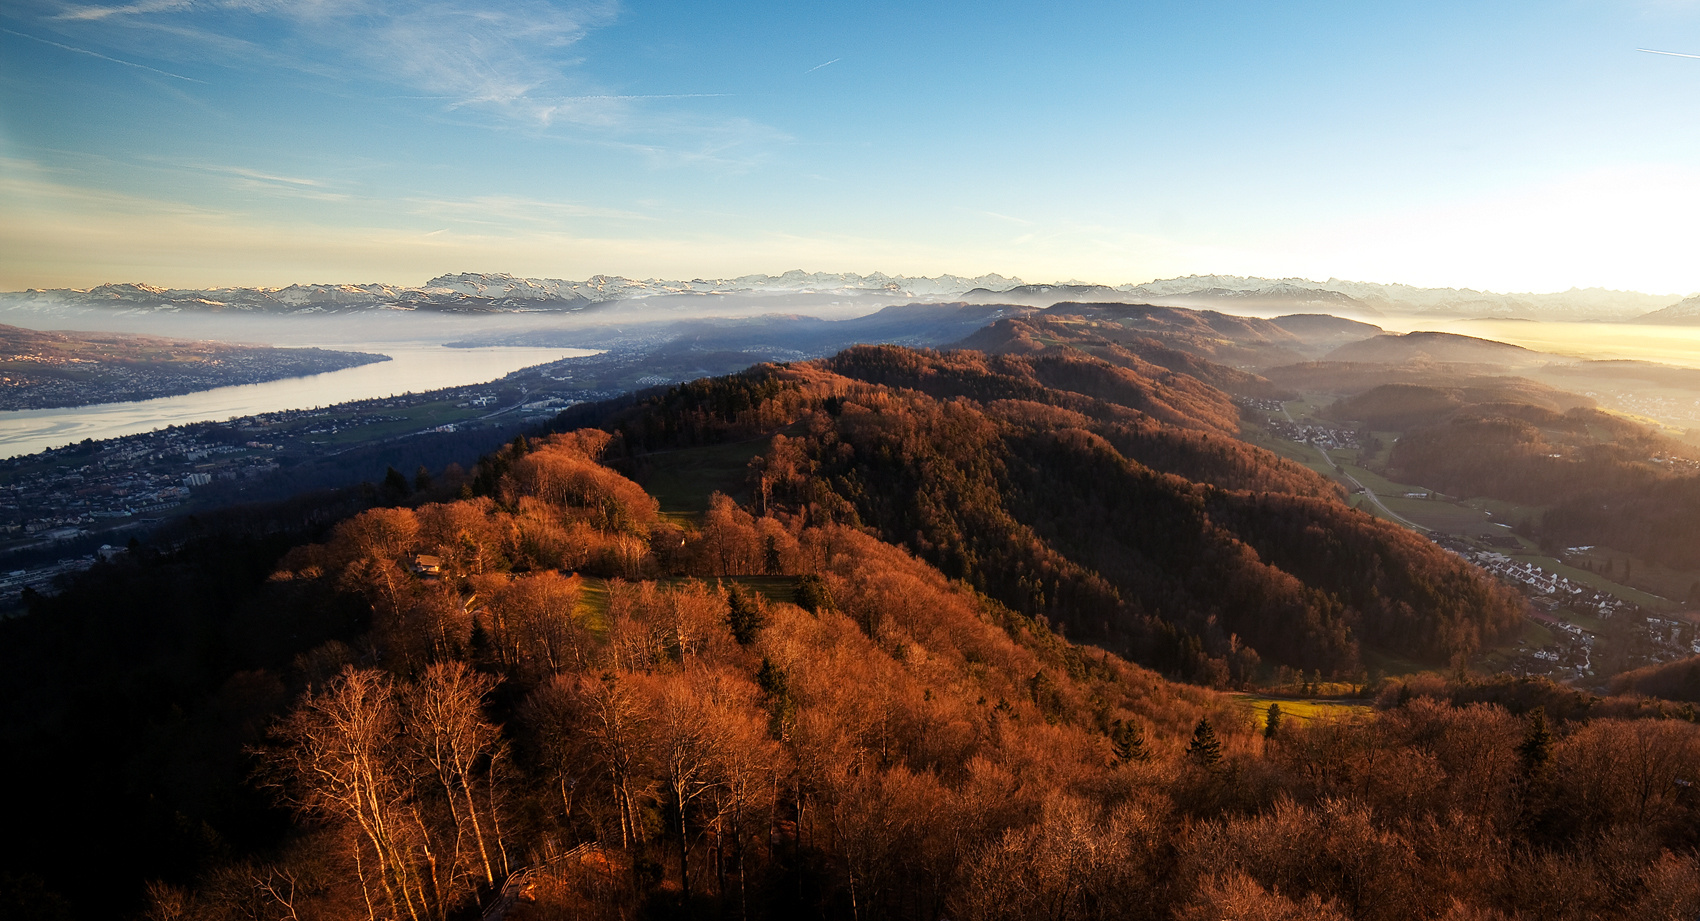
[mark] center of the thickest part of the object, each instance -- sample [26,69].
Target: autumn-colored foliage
[850,695]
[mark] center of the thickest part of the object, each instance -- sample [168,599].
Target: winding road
[1368,493]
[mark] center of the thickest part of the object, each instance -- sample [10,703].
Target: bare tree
[447,732]
[337,762]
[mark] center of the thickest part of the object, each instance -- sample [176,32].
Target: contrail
[1674,54]
[103,57]
[819,66]
[649,96]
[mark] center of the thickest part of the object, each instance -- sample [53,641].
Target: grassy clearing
[1300,409]
[1382,662]
[593,604]
[1507,512]
[1261,436]
[1535,634]
[1385,442]
[412,419]
[1652,577]
[1381,485]
[1303,709]
[683,481]
[776,589]
[593,597]
[1438,515]
[689,521]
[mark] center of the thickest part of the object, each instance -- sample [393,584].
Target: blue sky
[1494,145]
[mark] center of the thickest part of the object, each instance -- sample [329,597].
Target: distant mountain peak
[494,292]
[1684,312]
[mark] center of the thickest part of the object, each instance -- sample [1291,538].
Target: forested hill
[1112,500]
[1116,344]
[534,694]
[1205,334]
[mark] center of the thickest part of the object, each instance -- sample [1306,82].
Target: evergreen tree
[1536,750]
[1205,748]
[1128,742]
[1272,722]
[744,614]
[395,484]
[811,594]
[781,708]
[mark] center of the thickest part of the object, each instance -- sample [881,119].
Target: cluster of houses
[93,483]
[65,493]
[1659,638]
[1684,464]
[1672,408]
[1268,406]
[1552,590]
[1328,439]
[1572,648]
[42,579]
[35,377]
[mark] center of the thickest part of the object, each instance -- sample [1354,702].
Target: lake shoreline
[408,368]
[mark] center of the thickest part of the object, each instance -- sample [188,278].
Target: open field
[593,598]
[1530,635]
[1437,514]
[683,481]
[1381,662]
[1303,709]
[412,419]
[1269,441]
[1674,584]
[1302,409]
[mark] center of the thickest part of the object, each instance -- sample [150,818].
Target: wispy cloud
[819,66]
[502,64]
[96,54]
[90,13]
[257,176]
[514,54]
[1674,54]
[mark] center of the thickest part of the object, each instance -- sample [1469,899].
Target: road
[1368,493]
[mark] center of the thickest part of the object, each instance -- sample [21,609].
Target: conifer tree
[1536,750]
[1272,722]
[395,484]
[1205,748]
[1128,742]
[811,594]
[744,614]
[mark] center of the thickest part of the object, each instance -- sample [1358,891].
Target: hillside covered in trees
[851,692]
[1113,500]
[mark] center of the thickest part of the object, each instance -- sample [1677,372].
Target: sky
[1494,145]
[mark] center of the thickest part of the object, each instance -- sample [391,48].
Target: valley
[1121,536]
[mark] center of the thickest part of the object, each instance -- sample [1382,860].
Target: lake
[415,367]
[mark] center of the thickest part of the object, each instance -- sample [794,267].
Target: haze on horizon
[195,143]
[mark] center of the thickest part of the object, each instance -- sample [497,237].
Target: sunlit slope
[1114,500]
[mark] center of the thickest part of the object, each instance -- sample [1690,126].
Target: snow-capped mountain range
[1685,312]
[1372,298]
[470,292]
[501,293]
